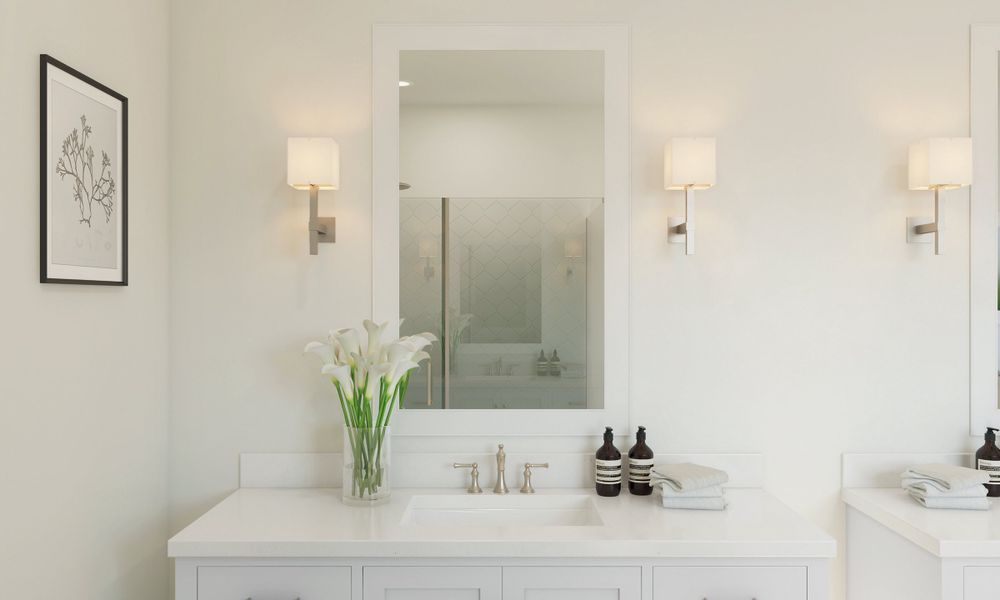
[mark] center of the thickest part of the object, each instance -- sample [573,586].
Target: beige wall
[803,328]
[83,381]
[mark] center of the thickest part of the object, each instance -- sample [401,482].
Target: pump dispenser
[640,462]
[608,467]
[988,459]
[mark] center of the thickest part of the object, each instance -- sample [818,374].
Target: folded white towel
[982,503]
[925,489]
[717,503]
[684,477]
[946,477]
[714,491]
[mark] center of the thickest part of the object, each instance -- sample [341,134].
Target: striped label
[608,472]
[638,469]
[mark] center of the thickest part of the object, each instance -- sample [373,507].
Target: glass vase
[366,466]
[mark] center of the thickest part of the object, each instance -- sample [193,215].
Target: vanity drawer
[432,583]
[982,583]
[572,583]
[274,583]
[729,583]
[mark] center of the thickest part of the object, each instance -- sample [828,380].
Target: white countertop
[314,523]
[944,533]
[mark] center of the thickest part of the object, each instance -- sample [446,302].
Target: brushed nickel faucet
[501,486]
[527,488]
[474,484]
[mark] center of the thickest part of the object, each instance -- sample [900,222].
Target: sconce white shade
[689,163]
[427,249]
[940,163]
[573,249]
[313,161]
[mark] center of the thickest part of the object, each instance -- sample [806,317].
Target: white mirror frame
[387,42]
[985,125]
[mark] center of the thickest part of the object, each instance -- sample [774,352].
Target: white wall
[83,382]
[803,328]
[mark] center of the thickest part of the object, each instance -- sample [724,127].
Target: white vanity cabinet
[897,548]
[305,544]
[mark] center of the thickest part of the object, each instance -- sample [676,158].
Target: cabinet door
[729,583]
[982,583]
[572,583]
[274,583]
[432,583]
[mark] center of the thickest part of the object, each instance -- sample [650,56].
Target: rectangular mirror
[501,155]
[500,222]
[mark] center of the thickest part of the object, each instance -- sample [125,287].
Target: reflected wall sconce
[689,165]
[428,250]
[314,165]
[572,250]
[937,164]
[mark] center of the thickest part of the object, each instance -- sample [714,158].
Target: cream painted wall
[803,328]
[83,387]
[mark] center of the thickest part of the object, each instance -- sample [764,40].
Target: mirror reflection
[501,226]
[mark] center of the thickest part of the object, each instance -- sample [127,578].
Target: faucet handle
[527,488]
[474,484]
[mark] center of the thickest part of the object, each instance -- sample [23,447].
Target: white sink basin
[514,510]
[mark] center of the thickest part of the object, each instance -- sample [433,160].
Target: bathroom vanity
[304,543]
[896,548]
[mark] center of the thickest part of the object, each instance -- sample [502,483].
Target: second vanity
[442,544]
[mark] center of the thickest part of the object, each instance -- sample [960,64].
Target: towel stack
[690,486]
[946,486]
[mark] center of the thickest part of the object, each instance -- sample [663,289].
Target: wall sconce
[428,250]
[937,164]
[572,250]
[314,165]
[688,164]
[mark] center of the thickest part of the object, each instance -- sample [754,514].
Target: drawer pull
[251,598]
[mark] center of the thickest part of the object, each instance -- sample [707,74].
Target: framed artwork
[84,178]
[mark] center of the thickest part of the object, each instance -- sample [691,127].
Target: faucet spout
[501,486]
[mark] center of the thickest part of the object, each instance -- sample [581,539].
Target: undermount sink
[487,510]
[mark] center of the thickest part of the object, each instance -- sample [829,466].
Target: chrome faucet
[501,486]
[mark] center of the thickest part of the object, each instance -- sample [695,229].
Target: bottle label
[992,468]
[608,472]
[638,470]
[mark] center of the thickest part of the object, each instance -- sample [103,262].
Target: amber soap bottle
[640,462]
[608,467]
[988,459]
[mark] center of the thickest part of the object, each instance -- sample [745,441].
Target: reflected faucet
[501,486]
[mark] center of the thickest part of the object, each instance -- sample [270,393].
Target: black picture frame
[66,274]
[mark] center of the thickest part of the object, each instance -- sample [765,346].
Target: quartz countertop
[944,533]
[314,522]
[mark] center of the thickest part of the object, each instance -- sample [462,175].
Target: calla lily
[375,331]
[324,351]
[342,375]
[349,342]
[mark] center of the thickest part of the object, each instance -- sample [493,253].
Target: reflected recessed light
[404,83]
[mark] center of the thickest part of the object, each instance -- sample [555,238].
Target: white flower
[342,375]
[375,331]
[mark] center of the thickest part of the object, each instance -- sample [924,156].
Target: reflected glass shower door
[501,282]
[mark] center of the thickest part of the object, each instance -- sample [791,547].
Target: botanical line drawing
[77,161]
